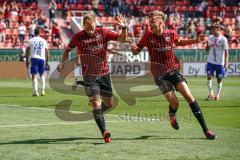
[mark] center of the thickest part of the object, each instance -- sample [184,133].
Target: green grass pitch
[30,129]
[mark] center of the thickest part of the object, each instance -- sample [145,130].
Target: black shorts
[169,81]
[98,86]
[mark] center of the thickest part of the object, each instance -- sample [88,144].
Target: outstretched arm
[182,42]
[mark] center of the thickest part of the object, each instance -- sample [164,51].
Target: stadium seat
[34,5]
[80,7]
[73,6]
[160,2]
[129,2]
[59,6]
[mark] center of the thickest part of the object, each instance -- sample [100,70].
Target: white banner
[199,69]
[120,69]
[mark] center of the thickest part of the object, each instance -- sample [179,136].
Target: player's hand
[201,38]
[47,67]
[134,49]
[60,67]
[120,20]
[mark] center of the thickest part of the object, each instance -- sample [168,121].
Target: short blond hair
[89,16]
[156,13]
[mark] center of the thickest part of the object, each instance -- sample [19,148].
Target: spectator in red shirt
[21,16]
[165,67]
[56,36]
[137,29]
[91,45]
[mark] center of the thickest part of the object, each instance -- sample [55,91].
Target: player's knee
[95,102]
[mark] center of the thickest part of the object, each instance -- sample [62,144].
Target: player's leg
[220,73]
[106,93]
[41,68]
[93,91]
[107,103]
[168,92]
[210,72]
[35,85]
[185,92]
[219,88]
[34,71]
[173,107]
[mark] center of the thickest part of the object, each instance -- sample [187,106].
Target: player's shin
[99,118]
[219,87]
[35,85]
[42,80]
[210,87]
[198,114]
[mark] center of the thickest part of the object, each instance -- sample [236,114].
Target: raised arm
[121,21]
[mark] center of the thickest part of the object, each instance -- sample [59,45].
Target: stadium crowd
[18,18]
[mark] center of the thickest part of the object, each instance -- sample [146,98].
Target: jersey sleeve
[73,42]
[110,35]
[143,41]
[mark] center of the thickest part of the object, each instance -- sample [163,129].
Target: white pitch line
[48,109]
[132,118]
[51,124]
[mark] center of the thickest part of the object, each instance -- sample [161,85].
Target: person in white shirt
[21,32]
[217,60]
[37,50]
[2,31]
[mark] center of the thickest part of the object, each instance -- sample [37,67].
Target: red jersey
[55,30]
[93,50]
[160,49]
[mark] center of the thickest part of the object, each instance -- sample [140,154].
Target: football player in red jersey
[92,49]
[165,67]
